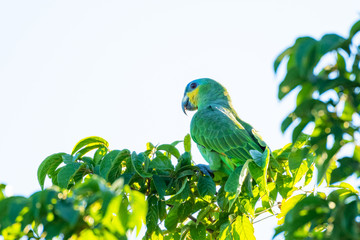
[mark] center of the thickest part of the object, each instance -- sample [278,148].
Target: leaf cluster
[183,201]
[92,210]
[326,73]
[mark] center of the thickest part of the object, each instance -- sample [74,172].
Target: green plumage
[224,140]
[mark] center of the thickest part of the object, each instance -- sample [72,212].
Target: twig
[264,218]
[192,218]
[209,230]
[265,210]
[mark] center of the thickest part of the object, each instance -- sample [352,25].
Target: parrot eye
[193,85]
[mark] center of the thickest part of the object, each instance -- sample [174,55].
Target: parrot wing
[218,129]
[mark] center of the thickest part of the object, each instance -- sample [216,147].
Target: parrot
[223,139]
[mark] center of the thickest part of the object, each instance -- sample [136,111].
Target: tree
[102,193]
[328,75]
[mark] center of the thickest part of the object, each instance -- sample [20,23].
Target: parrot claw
[205,169]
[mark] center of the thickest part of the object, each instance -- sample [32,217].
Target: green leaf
[236,179]
[305,55]
[204,212]
[10,209]
[112,219]
[257,157]
[260,176]
[90,186]
[347,167]
[116,166]
[221,198]
[172,218]
[88,161]
[149,146]
[346,186]
[184,233]
[184,173]
[261,159]
[225,231]
[329,42]
[184,160]
[300,172]
[354,29]
[356,154]
[287,205]
[162,209]
[298,129]
[176,143]
[287,122]
[235,182]
[137,162]
[341,63]
[280,58]
[65,210]
[87,149]
[242,228]
[296,157]
[152,214]
[48,166]
[302,140]
[67,158]
[89,141]
[283,153]
[248,186]
[183,186]
[160,186]
[247,207]
[309,175]
[309,209]
[161,163]
[80,173]
[138,207]
[187,143]
[198,232]
[2,191]
[170,149]
[185,209]
[348,112]
[285,185]
[124,213]
[206,186]
[99,154]
[290,82]
[324,162]
[106,163]
[305,93]
[66,173]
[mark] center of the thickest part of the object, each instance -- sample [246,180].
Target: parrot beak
[186,104]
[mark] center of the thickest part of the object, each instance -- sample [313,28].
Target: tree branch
[264,218]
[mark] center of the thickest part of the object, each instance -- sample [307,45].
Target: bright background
[118,69]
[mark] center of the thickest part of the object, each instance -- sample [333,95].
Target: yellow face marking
[193,96]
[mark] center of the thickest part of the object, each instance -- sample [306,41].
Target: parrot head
[203,92]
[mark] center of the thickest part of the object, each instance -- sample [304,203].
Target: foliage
[182,201]
[93,209]
[327,74]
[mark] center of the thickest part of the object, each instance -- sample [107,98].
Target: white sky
[118,69]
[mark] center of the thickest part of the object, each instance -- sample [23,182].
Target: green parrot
[224,140]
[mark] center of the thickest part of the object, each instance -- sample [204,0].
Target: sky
[118,70]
